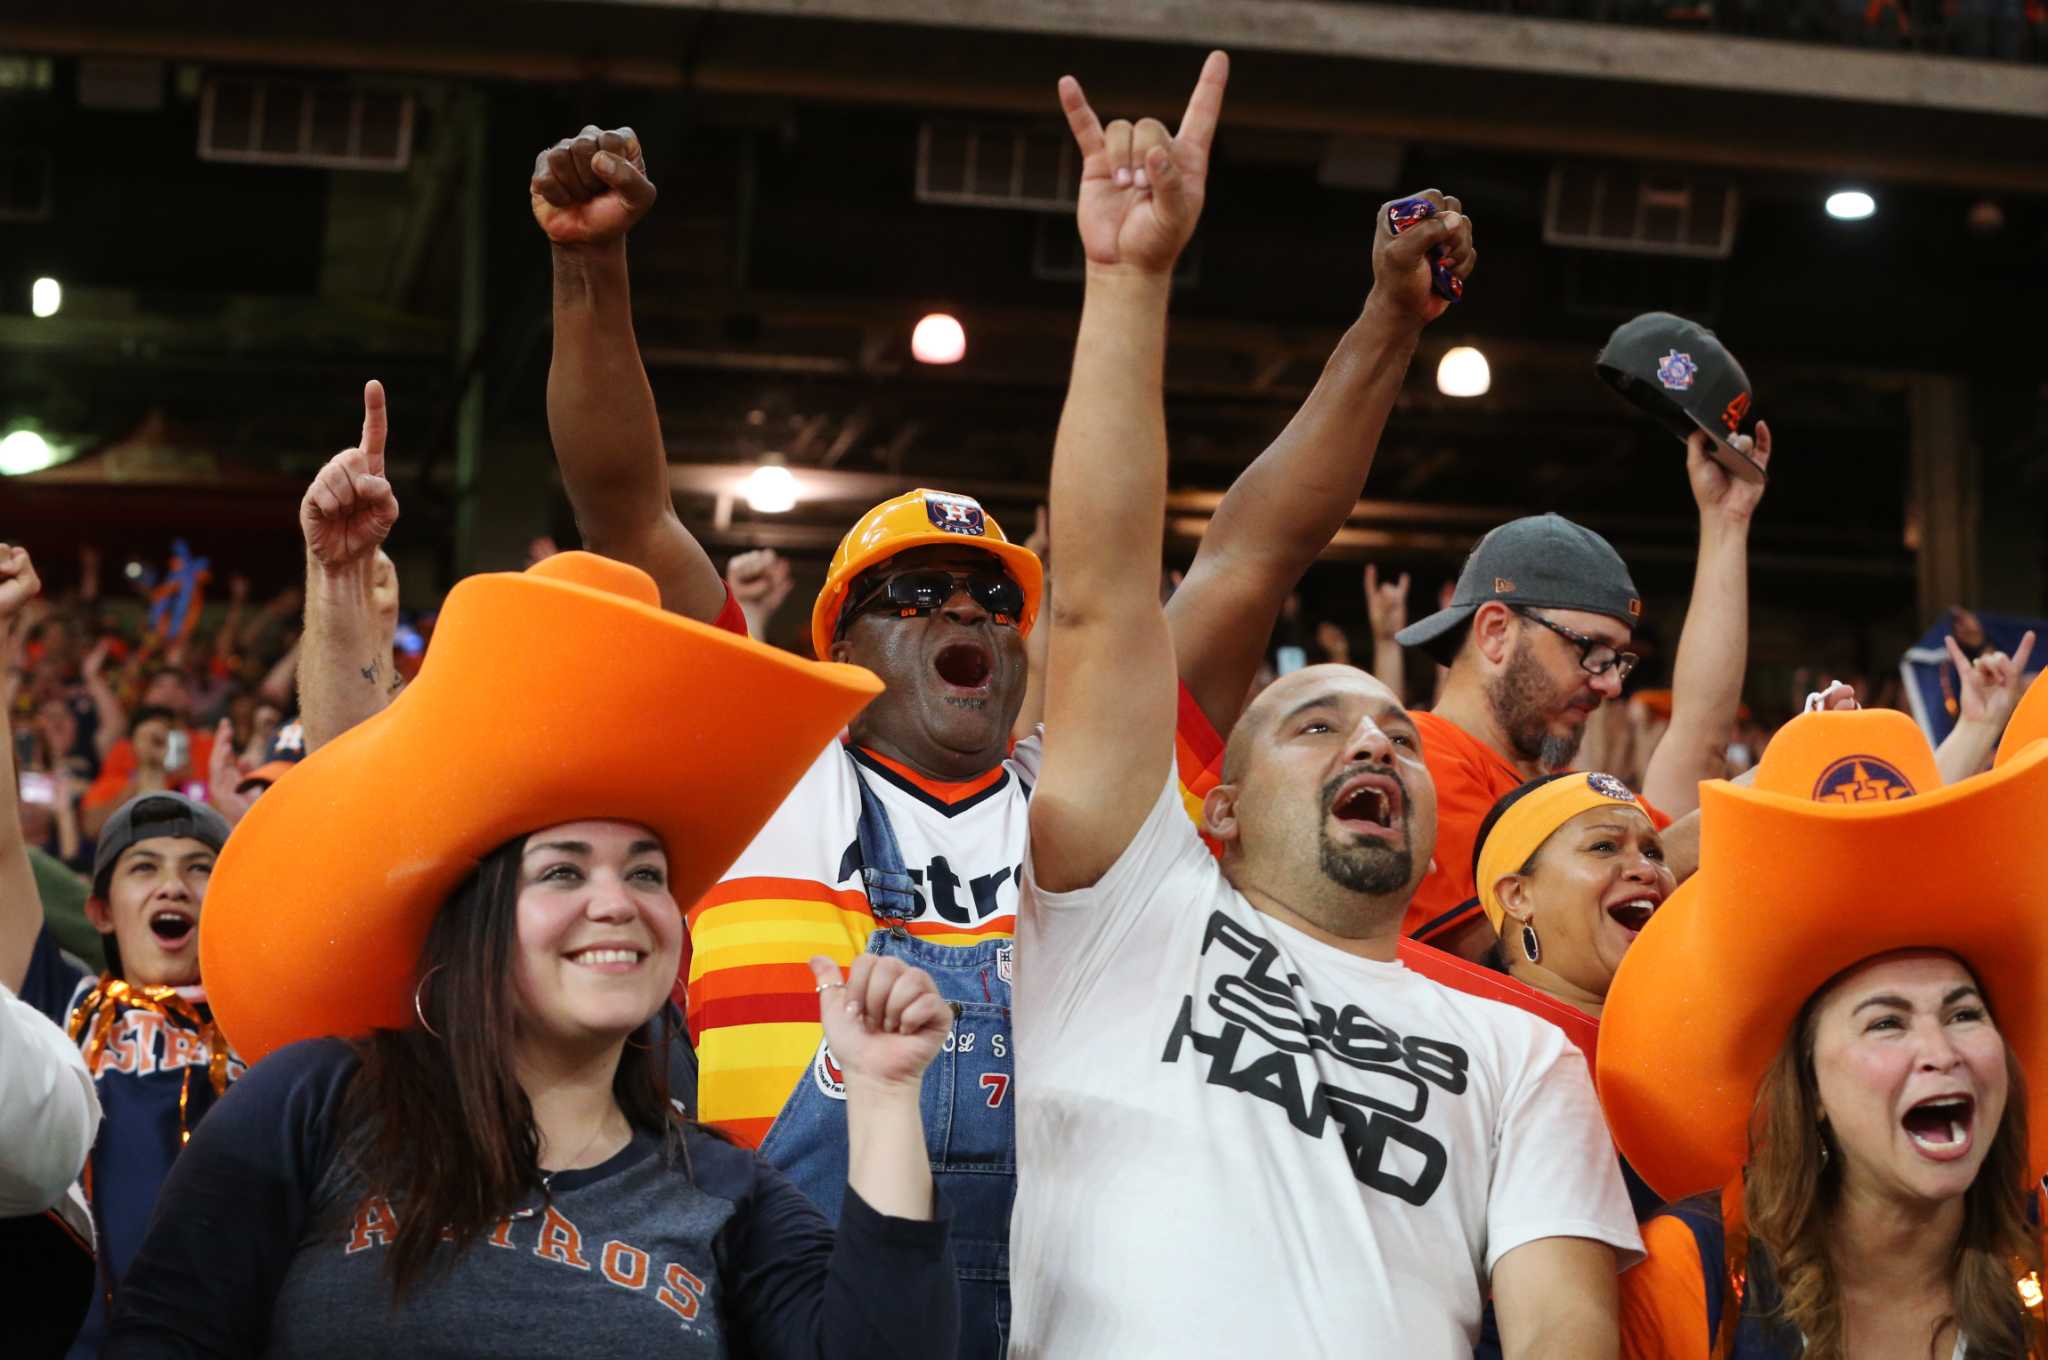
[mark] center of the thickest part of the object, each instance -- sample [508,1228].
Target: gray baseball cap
[148,815]
[1681,375]
[1541,562]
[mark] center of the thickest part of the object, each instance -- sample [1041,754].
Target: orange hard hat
[920,519]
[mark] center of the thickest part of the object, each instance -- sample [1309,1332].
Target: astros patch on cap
[1540,562]
[1681,374]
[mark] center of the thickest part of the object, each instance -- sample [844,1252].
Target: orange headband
[1532,820]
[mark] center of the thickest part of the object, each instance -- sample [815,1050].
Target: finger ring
[824,985]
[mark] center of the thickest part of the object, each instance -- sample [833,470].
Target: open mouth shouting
[1370,805]
[1942,1128]
[608,958]
[173,929]
[966,668]
[1633,912]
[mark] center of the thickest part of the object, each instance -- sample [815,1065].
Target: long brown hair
[1791,1191]
[457,1166]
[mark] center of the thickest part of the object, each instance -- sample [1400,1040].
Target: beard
[1523,702]
[1366,866]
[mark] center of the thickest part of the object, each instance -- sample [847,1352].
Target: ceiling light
[1463,373]
[770,489]
[1850,205]
[938,339]
[45,296]
[25,451]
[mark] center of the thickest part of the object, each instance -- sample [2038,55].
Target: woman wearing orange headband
[1832,1021]
[1569,869]
[478,890]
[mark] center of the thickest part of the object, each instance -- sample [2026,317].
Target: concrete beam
[1411,34]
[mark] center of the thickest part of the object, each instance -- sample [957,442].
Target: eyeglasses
[916,593]
[1595,657]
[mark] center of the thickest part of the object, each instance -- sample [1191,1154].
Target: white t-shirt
[1233,1139]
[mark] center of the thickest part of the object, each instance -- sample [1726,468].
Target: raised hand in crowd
[345,666]
[884,1023]
[1987,691]
[349,510]
[21,911]
[224,776]
[591,188]
[1713,649]
[1386,606]
[587,192]
[760,581]
[1403,276]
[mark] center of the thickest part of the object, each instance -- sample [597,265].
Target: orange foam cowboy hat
[558,694]
[1847,847]
[2029,721]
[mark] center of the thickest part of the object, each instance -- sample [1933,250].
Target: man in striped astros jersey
[908,841]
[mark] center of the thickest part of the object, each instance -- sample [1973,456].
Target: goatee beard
[1368,867]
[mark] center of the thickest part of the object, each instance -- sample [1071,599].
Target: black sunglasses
[912,594]
[1595,657]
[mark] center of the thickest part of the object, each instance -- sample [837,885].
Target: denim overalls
[969,1125]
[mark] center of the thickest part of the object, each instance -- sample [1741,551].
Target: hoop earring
[642,1047]
[419,1010]
[1532,948]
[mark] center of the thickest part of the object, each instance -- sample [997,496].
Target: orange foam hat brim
[2029,721]
[1790,893]
[560,694]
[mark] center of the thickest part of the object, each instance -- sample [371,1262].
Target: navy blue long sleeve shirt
[264,1244]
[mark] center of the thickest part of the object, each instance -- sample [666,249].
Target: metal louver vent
[271,121]
[1610,208]
[1025,169]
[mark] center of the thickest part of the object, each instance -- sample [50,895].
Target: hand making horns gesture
[1142,189]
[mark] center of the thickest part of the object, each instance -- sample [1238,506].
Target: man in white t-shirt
[1243,1127]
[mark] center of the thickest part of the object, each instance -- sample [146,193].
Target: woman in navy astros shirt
[479,888]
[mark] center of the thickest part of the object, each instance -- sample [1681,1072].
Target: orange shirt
[119,768]
[1470,778]
[1664,1296]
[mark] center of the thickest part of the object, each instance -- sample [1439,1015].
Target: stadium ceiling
[220,316]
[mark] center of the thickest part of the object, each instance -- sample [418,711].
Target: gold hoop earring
[417,1009]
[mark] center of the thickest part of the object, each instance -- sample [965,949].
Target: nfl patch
[826,1073]
[1607,786]
[1005,968]
[1676,371]
[1861,779]
[955,514]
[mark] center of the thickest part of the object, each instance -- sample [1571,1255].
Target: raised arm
[348,511]
[1713,651]
[1387,607]
[21,909]
[1284,508]
[1109,675]
[1987,691]
[587,192]
[106,705]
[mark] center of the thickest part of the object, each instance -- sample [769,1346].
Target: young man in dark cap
[1536,638]
[156,1058]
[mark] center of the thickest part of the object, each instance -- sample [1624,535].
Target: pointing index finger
[1087,128]
[1205,105]
[374,426]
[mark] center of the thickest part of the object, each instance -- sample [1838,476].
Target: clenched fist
[590,189]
